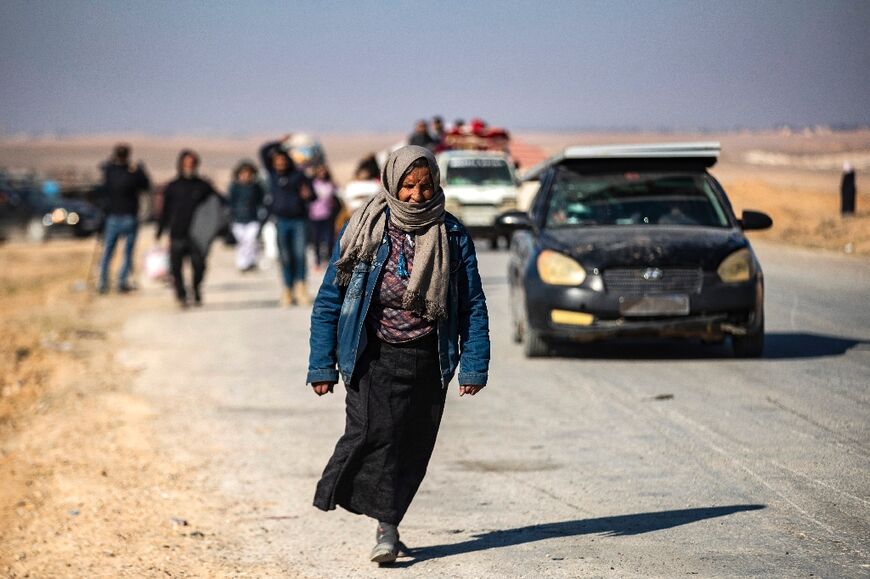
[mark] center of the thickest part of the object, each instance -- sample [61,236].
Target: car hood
[606,247]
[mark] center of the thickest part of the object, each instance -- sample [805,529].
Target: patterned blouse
[390,321]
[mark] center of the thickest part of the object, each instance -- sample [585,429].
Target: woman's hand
[470,389]
[305,192]
[321,388]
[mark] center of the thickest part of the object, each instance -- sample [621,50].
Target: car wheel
[534,345]
[493,242]
[751,344]
[516,321]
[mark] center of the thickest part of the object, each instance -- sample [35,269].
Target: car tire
[493,243]
[515,319]
[516,331]
[751,344]
[534,345]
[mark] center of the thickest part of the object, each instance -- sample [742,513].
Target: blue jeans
[116,226]
[292,240]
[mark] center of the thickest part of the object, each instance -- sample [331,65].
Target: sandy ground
[84,489]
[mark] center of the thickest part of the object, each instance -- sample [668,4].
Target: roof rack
[708,151]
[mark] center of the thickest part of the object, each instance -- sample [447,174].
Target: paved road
[562,467]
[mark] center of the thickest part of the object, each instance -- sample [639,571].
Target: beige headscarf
[427,286]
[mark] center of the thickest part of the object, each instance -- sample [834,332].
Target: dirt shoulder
[804,216]
[84,490]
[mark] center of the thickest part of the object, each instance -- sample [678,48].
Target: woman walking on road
[321,214]
[289,194]
[402,289]
[246,201]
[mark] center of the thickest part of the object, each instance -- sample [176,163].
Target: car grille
[653,281]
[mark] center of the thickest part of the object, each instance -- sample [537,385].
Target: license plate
[663,305]
[478,216]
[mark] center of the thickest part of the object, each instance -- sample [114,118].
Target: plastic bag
[270,240]
[157,263]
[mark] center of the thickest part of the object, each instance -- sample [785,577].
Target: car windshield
[478,172]
[634,199]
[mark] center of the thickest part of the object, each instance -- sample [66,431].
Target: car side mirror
[513,221]
[755,220]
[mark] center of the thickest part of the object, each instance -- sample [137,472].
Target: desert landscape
[794,175]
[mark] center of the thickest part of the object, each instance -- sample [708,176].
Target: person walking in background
[438,132]
[287,202]
[181,198]
[367,169]
[403,290]
[122,183]
[421,137]
[246,197]
[847,190]
[321,213]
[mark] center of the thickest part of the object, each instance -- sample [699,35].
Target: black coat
[180,200]
[847,193]
[121,187]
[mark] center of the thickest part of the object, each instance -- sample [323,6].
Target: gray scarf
[427,287]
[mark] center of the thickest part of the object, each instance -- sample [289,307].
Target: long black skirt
[394,405]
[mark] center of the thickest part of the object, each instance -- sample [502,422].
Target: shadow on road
[232,286]
[777,346]
[618,526]
[788,345]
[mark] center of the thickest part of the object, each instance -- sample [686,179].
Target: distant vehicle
[26,211]
[356,193]
[634,241]
[477,135]
[478,186]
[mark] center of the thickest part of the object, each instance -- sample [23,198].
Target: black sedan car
[26,211]
[634,241]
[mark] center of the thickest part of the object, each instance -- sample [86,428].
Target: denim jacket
[338,336]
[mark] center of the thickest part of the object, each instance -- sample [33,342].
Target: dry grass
[809,218]
[40,319]
[84,489]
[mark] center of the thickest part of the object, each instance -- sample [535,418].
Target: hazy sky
[274,66]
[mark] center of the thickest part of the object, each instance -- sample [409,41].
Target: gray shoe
[387,548]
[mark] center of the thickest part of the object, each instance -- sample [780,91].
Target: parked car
[25,210]
[478,186]
[634,241]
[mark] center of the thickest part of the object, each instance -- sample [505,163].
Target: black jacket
[180,199]
[121,187]
[245,201]
[285,199]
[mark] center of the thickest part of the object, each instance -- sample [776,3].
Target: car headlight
[58,215]
[508,203]
[558,269]
[739,266]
